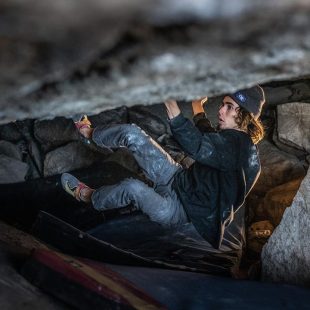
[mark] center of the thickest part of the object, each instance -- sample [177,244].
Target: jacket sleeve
[203,123]
[214,149]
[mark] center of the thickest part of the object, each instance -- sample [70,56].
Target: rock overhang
[146,64]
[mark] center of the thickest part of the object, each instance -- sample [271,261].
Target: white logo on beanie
[241,97]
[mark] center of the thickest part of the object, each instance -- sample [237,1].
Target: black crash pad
[135,240]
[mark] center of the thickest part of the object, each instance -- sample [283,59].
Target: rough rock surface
[53,133]
[69,157]
[10,149]
[12,170]
[294,124]
[61,64]
[12,167]
[278,199]
[149,122]
[286,256]
[278,167]
[147,64]
[258,234]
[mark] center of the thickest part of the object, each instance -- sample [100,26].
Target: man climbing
[210,193]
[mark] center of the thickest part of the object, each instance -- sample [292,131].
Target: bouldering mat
[135,240]
[84,284]
[89,284]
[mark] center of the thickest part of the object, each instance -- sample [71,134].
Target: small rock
[294,124]
[69,157]
[258,234]
[277,167]
[12,170]
[10,132]
[286,147]
[54,133]
[10,150]
[114,116]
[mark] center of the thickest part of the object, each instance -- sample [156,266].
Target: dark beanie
[252,99]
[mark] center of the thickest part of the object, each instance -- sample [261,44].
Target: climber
[210,193]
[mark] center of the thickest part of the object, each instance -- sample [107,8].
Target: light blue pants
[161,202]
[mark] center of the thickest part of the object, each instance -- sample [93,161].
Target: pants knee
[135,135]
[134,186]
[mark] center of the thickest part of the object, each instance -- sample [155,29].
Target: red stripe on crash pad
[97,278]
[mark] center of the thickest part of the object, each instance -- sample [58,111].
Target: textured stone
[149,122]
[55,132]
[283,92]
[294,124]
[114,116]
[285,147]
[258,234]
[279,198]
[12,170]
[29,147]
[286,256]
[10,132]
[34,158]
[69,157]
[150,64]
[10,149]
[278,167]
[276,95]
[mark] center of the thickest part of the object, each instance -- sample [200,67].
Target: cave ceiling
[89,56]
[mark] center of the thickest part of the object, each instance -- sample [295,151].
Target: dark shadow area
[128,235]
[21,202]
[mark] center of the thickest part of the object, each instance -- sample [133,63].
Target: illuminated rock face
[91,57]
[278,167]
[294,124]
[286,256]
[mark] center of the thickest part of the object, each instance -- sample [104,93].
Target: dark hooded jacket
[226,168]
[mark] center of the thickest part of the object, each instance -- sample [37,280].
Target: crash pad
[84,284]
[135,240]
[89,284]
